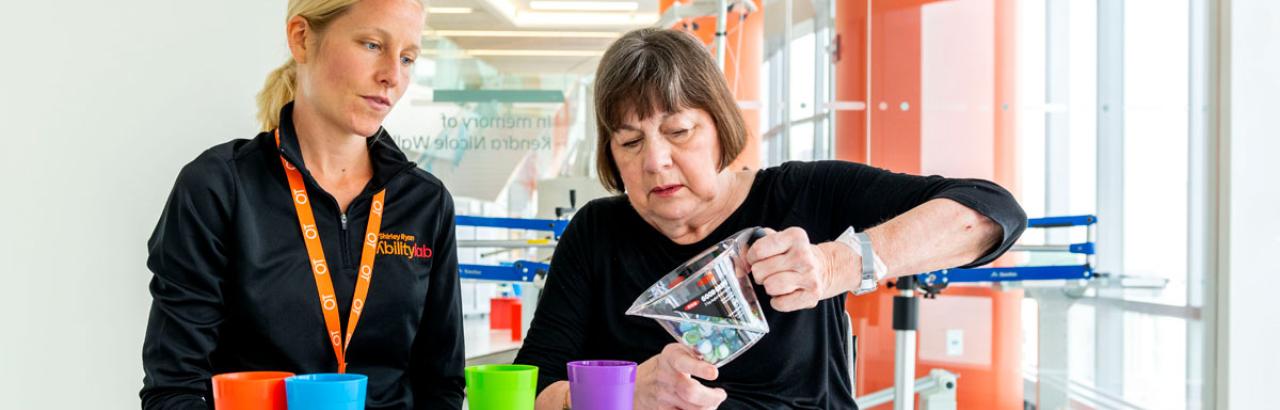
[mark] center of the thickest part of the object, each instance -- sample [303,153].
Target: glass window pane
[1081,330]
[801,104]
[1031,111]
[802,76]
[1155,366]
[801,144]
[1156,92]
[1082,80]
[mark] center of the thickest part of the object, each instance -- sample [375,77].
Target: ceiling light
[455,54]
[449,10]
[465,53]
[527,34]
[528,18]
[584,5]
[560,19]
[534,53]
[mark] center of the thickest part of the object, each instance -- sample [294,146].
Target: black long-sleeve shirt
[233,290]
[608,256]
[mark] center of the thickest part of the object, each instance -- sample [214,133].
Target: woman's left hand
[797,274]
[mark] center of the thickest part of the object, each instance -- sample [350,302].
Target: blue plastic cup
[326,391]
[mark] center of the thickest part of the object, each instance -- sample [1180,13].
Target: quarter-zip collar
[386,158]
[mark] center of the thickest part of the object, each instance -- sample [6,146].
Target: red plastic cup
[505,314]
[517,320]
[500,313]
[250,391]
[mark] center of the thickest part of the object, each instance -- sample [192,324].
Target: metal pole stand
[941,394]
[937,392]
[905,316]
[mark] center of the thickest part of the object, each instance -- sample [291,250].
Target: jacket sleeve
[867,196]
[186,257]
[438,355]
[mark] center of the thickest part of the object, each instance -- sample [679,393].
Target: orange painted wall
[895,78]
[1006,149]
[851,85]
[990,373]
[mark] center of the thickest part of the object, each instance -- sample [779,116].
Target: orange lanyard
[320,269]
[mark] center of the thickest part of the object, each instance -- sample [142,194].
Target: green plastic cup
[501,387]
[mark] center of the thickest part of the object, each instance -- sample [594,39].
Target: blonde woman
[316,246]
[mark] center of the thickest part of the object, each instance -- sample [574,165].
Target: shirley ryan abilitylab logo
[402,245]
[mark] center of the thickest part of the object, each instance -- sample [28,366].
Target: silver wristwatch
[873,269]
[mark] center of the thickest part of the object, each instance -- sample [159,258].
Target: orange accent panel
[1006,135]
[895,78]
[743,73]
[850,79]
[1006,73]
[990,365]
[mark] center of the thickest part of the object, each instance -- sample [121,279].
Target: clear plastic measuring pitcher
[708,302]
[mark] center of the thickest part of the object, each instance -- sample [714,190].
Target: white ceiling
[581,53]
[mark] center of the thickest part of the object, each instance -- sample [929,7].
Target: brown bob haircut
[653,71]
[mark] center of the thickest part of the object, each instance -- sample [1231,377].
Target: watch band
[872,268]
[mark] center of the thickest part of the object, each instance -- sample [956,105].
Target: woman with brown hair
[668,129]
[283,252]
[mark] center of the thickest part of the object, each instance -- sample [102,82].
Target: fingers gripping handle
[756,234]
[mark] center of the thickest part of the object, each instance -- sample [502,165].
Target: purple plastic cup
[602,384]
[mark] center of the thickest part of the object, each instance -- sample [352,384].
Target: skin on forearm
[938,234]
[554,397]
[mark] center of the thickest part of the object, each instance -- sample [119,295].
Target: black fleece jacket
[232,289]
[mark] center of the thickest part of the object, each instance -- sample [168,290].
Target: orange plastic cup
[250,391]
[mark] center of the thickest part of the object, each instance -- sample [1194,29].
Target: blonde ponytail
[282,84]
[279,90]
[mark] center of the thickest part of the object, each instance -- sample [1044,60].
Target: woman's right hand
[666,381]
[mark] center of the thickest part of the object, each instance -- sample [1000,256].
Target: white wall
[1250,330]
[101,102]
